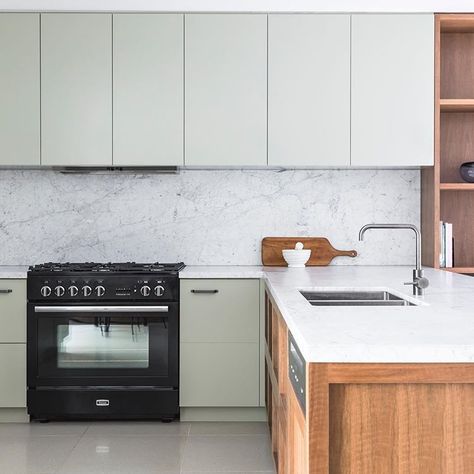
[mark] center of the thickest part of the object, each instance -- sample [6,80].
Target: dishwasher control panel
[297,371]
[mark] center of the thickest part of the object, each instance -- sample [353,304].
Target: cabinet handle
[205,291]
[3,292]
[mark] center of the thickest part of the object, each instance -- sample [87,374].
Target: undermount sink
[355,298]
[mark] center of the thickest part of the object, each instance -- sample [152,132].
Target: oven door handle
[101,309]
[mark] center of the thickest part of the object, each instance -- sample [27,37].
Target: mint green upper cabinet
[226,89]
[19,89]
[392,90]
[76,89]
[148,89]
[309,90]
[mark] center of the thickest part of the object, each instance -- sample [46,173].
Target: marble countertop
[222,271]
[440,329]
[13,271]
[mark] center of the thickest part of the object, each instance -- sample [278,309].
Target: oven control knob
[59,290]
[86,290]
[73,290]
[159,290]
[100,290]
[145,290]
[45,291]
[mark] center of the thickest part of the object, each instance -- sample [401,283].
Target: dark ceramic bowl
[467,171]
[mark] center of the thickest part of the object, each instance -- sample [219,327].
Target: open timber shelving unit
[445,197]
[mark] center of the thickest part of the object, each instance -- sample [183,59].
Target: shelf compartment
[456,105]
[457,208]
[457,64]
[456,186]
[456,144]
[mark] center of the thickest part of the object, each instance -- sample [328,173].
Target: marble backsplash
[202,217]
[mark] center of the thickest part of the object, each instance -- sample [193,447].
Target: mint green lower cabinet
[220,359]
[12,375]
[231,314]
[13,311]
[219,375]
[12,344]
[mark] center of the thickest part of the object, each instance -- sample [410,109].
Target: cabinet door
[148,89]
[219,375]
[226,89]
[19,89]
[220,343]
[309,90]
[76,89]
[219,311]
[13,311]
[12,375]
[392,90]
[297,440]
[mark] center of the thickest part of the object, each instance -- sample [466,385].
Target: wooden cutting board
[322,252]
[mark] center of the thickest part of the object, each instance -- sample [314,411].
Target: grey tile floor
[134,448]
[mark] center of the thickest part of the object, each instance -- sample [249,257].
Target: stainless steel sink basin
[354,298]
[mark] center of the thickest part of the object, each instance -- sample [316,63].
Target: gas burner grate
[110,267]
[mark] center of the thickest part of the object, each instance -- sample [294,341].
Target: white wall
[244,5]
[202,217]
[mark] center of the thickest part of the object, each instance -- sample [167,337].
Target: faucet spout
[397,226]
[419,281]
[364,228]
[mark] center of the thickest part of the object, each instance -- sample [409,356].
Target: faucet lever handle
[419,282]
[423,282]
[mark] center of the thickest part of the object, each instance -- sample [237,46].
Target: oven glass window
[103,343]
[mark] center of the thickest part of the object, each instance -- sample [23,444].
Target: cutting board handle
[346,253]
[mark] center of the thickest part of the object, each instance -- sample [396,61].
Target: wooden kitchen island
[372,418]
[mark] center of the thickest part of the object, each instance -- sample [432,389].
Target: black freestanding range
[103,341]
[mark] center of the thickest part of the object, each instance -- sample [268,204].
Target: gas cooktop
[77,282]
[110,267]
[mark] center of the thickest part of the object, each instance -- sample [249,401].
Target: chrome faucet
[420,282]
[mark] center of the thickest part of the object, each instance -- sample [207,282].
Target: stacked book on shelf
[446,256]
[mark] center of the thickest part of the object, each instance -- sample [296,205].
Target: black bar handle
[205,291]
[6,291]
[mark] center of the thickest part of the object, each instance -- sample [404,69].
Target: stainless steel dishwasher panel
[297,372]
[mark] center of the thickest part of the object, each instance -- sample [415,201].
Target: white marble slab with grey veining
[222,271]
[13,272]
[440,329]
[202,217]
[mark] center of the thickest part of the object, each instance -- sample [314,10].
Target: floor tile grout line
[223,435]
[136,436]
[229,472]
[185,443]
[58,470]
[86,430]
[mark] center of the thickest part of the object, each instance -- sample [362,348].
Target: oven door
[103,345]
